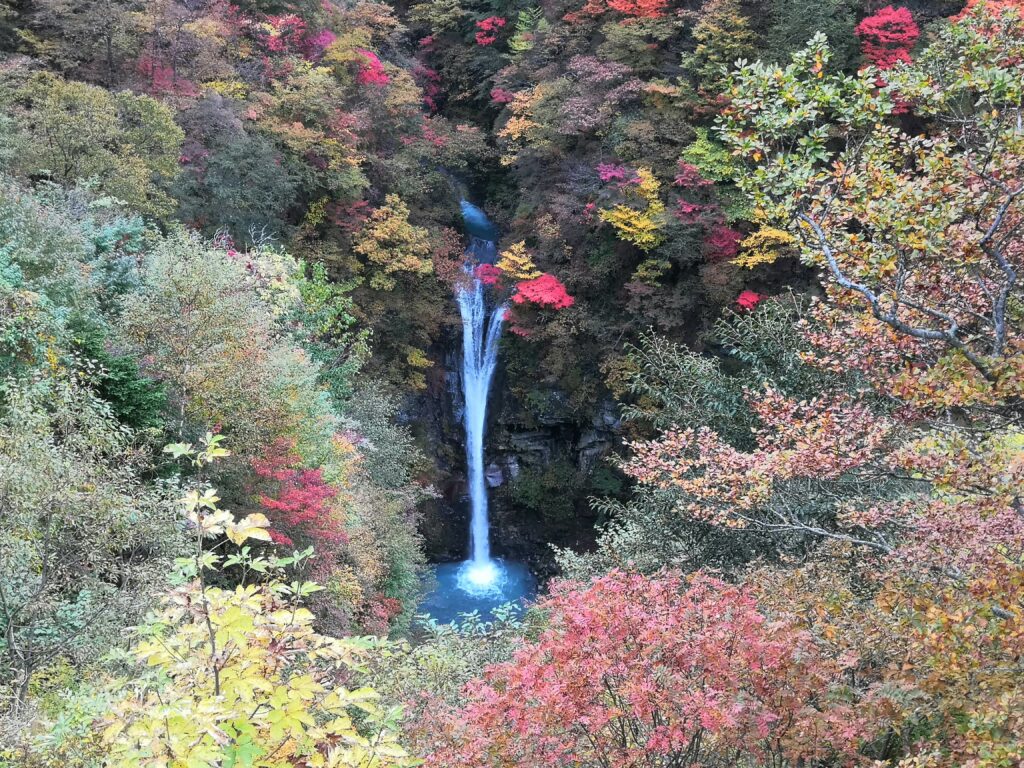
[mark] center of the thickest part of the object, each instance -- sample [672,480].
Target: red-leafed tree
[376,616]
[487,29]
[286,33]
[689,177]
[289,34]
[722,242]
[546,291]
[748,300]
[298,501]
[162,78]
[488,274]
[823,439]
[638,9]
[502,96]
[615,172]
[652,671]
[371,71]
[888,36]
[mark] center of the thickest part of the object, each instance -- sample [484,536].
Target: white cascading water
[482,583]
[481,334]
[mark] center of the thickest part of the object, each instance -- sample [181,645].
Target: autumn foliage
[545,291]
[488,274]
[371,71]
[640,9]
[650,671]
[532,294]
[487,29]
[820,439]
[760,265]
[888,36]
[748,299]
[298,502]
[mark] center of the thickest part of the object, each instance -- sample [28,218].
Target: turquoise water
[476,223]
[461,590]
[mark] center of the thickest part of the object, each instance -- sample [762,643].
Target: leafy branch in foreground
[919,236]
[239,676]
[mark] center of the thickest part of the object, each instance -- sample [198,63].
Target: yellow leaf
[253,526]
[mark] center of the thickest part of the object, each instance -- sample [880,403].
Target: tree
[666,387]
[488,30]
[401,301]
[961,664]
[201,326]
[634,9]
[993,5]
[242,185]
[723,36]
[73,132]
[371,70]
[330,332]
[239,675]
[747,300]
[44,251]
[301,502]
[515,261]
[9,32]
[643,227]
[84,537]
[544,291]
[922,284]
[530,23]
[804,449]
[831,469]
[134,399]
[87,38]
[652,671]
[393,246]
[888,36]
[794,22]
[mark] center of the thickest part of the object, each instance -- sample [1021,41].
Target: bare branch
[950,335]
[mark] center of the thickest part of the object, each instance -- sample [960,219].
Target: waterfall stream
[480,583]
[481,334]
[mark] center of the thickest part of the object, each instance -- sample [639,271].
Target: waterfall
[481,583]
[481,334]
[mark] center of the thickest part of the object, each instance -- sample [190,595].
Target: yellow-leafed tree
[765,246]
[394,246]
[642,228]
[516,262]
[239,676]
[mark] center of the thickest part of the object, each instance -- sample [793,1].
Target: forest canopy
[755,429]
